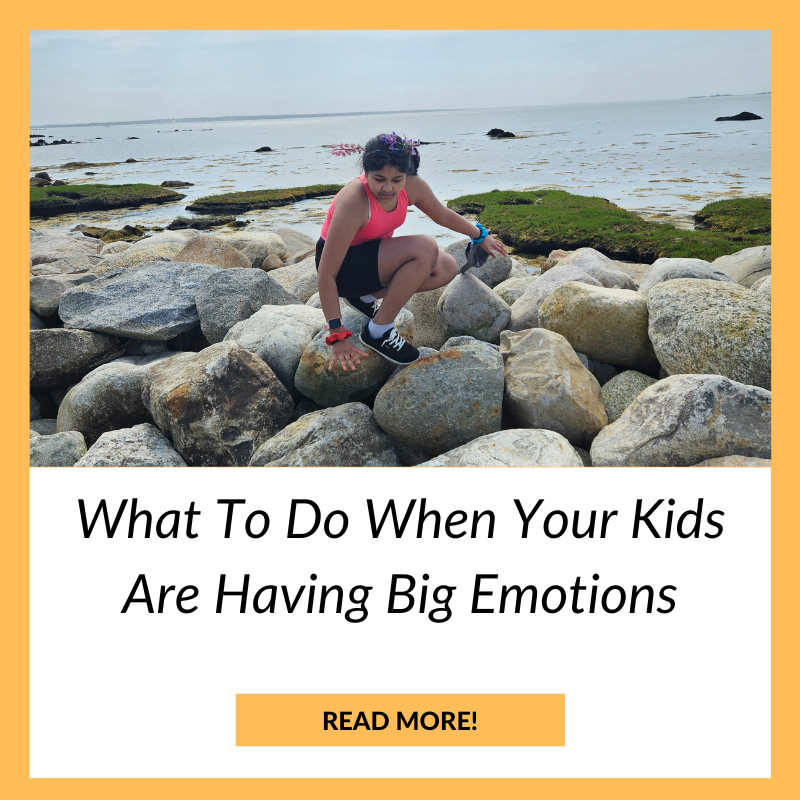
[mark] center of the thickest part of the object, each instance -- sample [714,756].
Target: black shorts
[358,274]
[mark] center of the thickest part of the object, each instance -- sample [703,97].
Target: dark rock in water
[495,132]
[59,183]
[133,137]
[199,223]
[128,233]
[130,160]
[90,173]
[42,175]
[41,142]
[745,115]
[506,135]
[264,150]
[40,182]
[176,184]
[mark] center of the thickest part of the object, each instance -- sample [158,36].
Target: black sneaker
[368,309]
[391,346]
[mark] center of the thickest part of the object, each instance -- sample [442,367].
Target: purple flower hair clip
[346,149]
[397,142]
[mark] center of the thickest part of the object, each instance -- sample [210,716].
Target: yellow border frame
[358,14]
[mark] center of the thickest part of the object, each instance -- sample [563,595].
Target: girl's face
[387,182]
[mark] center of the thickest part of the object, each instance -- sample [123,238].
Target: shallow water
[663,159]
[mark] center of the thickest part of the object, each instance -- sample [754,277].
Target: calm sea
[662,159]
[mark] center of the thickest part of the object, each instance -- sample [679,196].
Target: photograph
[347,248]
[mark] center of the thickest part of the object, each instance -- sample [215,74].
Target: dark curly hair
[384,149]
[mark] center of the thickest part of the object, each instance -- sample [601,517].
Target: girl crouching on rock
[358,257]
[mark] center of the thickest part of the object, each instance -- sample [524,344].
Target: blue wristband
[484,233]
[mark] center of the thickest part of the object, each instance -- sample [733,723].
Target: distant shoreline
[168,121]
[242,118]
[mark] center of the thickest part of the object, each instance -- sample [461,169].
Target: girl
[357,257]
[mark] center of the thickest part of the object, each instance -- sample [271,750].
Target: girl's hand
[346,353]
[493,246]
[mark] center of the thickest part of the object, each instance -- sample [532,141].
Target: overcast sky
[110,76]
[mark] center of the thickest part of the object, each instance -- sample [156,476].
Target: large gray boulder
[58,450]
[525,311]
[599,267]
[609,325]
[69,266]
[279,335]
[298,279]
[217,406]
[685,419]
[164,245]
[494,271]
[257,245]
[345,436]
[212,250]
[669,269]
[429,330]
[49,245]
[709,327]
[230,296]
[108,398]
[513,448]
[154,301]
[748,265]
[61,357]
[332,387]
[46,291]
[546,386]
[138,446]
[444,400]
[622,390]
[469,307]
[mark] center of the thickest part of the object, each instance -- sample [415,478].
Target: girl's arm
[421,195]
[349,214]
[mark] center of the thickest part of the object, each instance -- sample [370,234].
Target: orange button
[391,720]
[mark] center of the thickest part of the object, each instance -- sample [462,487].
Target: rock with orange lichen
[217,406]
[444,400]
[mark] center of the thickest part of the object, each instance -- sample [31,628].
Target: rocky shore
[187,349]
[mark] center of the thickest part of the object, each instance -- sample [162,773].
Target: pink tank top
[382,224]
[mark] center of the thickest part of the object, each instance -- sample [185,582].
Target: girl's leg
[407,265]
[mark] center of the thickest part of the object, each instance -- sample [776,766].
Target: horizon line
[243,117]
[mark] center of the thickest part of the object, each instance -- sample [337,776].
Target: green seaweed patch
[48,201]
[551,219]
[741,216]
[241,202]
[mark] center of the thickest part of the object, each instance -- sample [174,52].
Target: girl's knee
[428,248]
[446,267]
